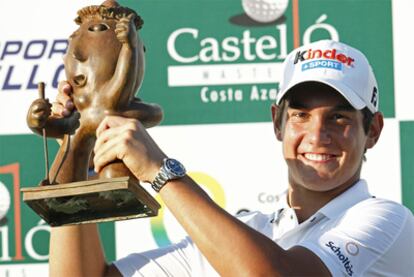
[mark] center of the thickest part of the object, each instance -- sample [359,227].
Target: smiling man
[326,117]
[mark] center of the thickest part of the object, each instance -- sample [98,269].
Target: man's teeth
[317,157]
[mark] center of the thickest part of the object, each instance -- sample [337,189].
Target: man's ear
[277,129]
[375,129]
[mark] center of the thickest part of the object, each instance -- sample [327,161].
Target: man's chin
[320,183]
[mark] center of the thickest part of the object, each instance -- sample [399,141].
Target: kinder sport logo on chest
[328,58]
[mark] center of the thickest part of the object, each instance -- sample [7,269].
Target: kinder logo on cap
[328,58]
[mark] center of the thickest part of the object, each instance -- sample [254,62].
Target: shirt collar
[353,195]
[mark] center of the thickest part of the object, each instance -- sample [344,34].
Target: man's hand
[126,139]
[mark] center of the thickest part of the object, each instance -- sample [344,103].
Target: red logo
[322,54]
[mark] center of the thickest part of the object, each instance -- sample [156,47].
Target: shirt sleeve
[174,260]
[374,238]
[181,259]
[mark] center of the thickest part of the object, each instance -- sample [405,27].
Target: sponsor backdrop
[215,68]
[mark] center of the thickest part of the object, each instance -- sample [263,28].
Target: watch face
[175,167]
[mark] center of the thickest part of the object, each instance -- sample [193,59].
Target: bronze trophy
[104,64]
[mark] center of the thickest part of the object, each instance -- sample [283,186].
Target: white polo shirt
[354,235]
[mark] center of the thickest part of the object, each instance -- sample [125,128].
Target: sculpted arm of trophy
[42,114]
[231,247]
[149,114]
[124,78]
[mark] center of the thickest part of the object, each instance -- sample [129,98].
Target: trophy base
[91,201]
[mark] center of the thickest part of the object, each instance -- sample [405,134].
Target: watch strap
[171,169]
[160,180]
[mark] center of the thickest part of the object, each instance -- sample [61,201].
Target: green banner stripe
[107,233]
[407,163]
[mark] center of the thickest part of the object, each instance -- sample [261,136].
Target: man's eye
[98,27]
[339,116]
[299,114]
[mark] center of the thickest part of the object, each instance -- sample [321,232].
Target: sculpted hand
[126,139]
[38,114]
[125,30]
[58,118]
[63,107]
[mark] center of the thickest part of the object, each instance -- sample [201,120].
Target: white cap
[335,64]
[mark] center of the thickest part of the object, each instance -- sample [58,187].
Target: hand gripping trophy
[104,64]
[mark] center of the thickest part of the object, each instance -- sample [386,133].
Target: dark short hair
[284,104]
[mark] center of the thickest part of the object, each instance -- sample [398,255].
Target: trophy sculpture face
[92,53]
[104,64]
[95,50]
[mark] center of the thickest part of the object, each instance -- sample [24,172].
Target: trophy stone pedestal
[91,201]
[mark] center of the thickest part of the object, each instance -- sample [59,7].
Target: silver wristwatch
[171,169]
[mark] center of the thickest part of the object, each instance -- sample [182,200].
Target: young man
[326,117]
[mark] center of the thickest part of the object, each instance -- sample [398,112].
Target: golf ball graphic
[265,11]
[4,200]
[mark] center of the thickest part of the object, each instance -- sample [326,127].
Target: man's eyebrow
[345,107]
[342,107]
[296,105]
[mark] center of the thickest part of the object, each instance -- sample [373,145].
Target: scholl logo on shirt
[325,58]
[344,259]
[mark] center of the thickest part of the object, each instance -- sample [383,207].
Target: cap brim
[344,90]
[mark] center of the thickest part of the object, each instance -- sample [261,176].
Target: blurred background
[215,67]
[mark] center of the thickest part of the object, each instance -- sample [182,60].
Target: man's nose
[318,133]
